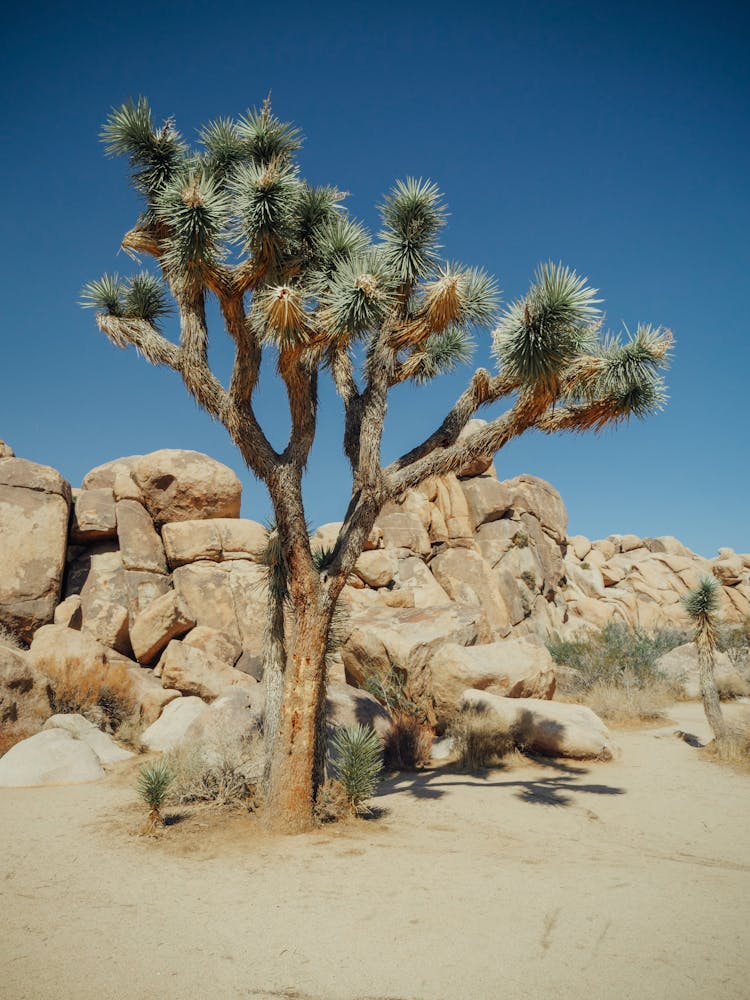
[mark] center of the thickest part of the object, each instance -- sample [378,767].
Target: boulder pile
[149,569]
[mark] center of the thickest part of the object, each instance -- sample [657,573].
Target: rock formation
[149,566]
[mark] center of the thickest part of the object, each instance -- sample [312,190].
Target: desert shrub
[393,693]
[358,762]
[153,784]
[734,640]
[617,653]
[8,638]
[529,579]
[627,701]
[106,695]
[331,802]
[408,744]
[520,540]
[729,687]
[223,771]
[614,671]
[478,739]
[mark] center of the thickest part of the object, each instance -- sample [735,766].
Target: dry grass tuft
[477,741]
[408,744]
[92,690]
[222,771]
[332,804]
[8,638]
[624,704]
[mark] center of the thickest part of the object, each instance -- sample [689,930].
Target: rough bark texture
[709,693]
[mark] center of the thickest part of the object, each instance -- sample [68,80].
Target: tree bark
[294,765]
[709,693]
[274,663]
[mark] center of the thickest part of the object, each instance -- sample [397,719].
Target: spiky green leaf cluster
[444,352]
[105,294]
[358,761]
[265,201]
[154,154]
[153,783]
[702,601]
[224,147]
[194,209]
[413,215]
[540,334]
[266,138]
[142,296]
[359,296]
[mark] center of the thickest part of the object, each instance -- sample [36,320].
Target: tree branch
[482,390]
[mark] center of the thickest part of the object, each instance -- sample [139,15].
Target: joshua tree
[702,605]
[300,281]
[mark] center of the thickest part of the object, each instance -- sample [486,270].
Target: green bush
[358,762]
[618,654]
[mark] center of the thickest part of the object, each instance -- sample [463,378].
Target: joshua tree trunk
[709,693]
[274,661]
[295,764]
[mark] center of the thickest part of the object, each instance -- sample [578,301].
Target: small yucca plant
[359,761]
[153,784]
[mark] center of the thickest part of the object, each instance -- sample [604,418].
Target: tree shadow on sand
[550,790]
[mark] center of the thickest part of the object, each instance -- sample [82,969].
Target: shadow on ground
[550,790]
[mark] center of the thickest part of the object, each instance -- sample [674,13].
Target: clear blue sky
[611,137]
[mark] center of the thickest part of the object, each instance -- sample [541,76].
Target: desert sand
[620,880]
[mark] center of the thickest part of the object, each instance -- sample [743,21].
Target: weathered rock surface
[140,544]
[166,618]
[93,516]
[185,486]
[103,476]
[194,672]
[24,693]
[228,597]
[235,716]
[173,723]
[216,540]
[80,728]
[52,757]
[34,507]
[97,577]
[514,668]
[406,640]
[555,729]
[349,706]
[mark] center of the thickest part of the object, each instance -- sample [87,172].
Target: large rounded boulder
[185,486]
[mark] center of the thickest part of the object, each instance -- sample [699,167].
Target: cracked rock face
[34,512]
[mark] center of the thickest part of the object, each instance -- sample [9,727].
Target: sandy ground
[622,880]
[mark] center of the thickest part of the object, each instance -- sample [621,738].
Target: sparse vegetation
[734,640]
[8,638]
[106,695]
[408,744]
[332,802]
[614,671]
[358,763]
[529,579]
[477,740]
[520,540]
[153,784]
[222,771]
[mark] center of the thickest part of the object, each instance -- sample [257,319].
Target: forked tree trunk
[274,662]
[294,766]
[709,692]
